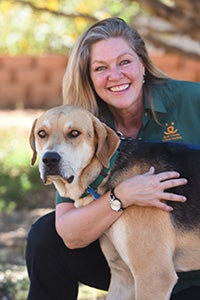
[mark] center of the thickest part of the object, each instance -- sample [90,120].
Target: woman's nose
[115,74]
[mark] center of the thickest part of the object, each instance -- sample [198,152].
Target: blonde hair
[77,85]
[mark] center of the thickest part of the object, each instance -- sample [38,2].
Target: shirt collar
[158,105]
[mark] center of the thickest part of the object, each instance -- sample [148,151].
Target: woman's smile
[119,88]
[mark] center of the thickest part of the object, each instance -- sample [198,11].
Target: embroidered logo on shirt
[171,133]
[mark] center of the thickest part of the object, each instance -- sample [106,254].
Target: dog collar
[91,189]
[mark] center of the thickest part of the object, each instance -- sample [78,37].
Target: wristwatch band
[115,203]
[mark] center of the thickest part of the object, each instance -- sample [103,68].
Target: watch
[115,203]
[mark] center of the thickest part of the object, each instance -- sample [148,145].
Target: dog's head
[72,144]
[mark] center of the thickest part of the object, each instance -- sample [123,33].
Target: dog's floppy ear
[107,142]
[32,143]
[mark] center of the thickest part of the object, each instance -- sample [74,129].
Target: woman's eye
[100,68]
[42,134]
[125,62]
[73,134]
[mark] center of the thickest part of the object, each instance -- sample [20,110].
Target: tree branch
[186,24]
[171,48]
[56,13]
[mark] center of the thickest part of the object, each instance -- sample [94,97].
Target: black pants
[55,271]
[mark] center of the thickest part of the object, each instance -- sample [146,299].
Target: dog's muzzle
[51,166]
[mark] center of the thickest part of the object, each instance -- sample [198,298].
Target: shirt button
[146,114]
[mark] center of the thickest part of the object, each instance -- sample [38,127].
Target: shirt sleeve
[60,199]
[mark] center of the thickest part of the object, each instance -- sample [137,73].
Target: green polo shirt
[177,108]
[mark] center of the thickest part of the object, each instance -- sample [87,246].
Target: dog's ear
[107,142]
[32,143]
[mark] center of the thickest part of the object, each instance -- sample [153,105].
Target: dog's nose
[51,158]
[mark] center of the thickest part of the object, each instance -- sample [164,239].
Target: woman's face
[116,72]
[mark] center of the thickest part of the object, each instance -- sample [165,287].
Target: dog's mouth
[49,178]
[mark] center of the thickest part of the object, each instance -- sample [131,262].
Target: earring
[143,81]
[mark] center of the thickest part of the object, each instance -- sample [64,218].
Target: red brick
[56,77]
[52,61]
[44,96]
[12,95]
[181,74]
[168,60]
[193,67]
[17,62]
[30,76]
[177,67]
[5,76]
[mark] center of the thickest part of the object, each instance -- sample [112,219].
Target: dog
[145,247]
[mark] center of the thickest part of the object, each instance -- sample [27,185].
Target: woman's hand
[148,189]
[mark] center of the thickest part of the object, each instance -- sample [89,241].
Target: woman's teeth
[119,88]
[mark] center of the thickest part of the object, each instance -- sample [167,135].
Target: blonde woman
[110,74]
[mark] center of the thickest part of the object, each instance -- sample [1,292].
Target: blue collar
[91,189]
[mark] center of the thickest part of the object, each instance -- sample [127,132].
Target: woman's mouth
[119,88]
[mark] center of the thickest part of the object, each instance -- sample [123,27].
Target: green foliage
[15,290]
[19,181]
[30,30]
[32,33]
[14,282]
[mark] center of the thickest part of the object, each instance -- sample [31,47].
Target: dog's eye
[42,134]
[73,134]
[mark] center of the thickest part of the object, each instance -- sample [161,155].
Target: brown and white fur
[145,247]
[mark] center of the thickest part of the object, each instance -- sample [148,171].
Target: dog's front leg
[122,282]
[148,249]
[150,286]
[135,237]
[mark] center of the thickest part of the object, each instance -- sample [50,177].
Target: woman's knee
[43,232]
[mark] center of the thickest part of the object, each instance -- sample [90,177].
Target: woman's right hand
[148,189]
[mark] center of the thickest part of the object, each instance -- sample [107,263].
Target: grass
[21,188]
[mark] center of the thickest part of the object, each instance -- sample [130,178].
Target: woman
[110,74]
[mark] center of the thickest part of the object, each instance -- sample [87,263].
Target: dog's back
[154,244]
[137,156]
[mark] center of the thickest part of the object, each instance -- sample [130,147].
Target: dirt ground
[13,232]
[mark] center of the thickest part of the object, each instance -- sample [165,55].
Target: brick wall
[35,81]
[178,67]
[31,81]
